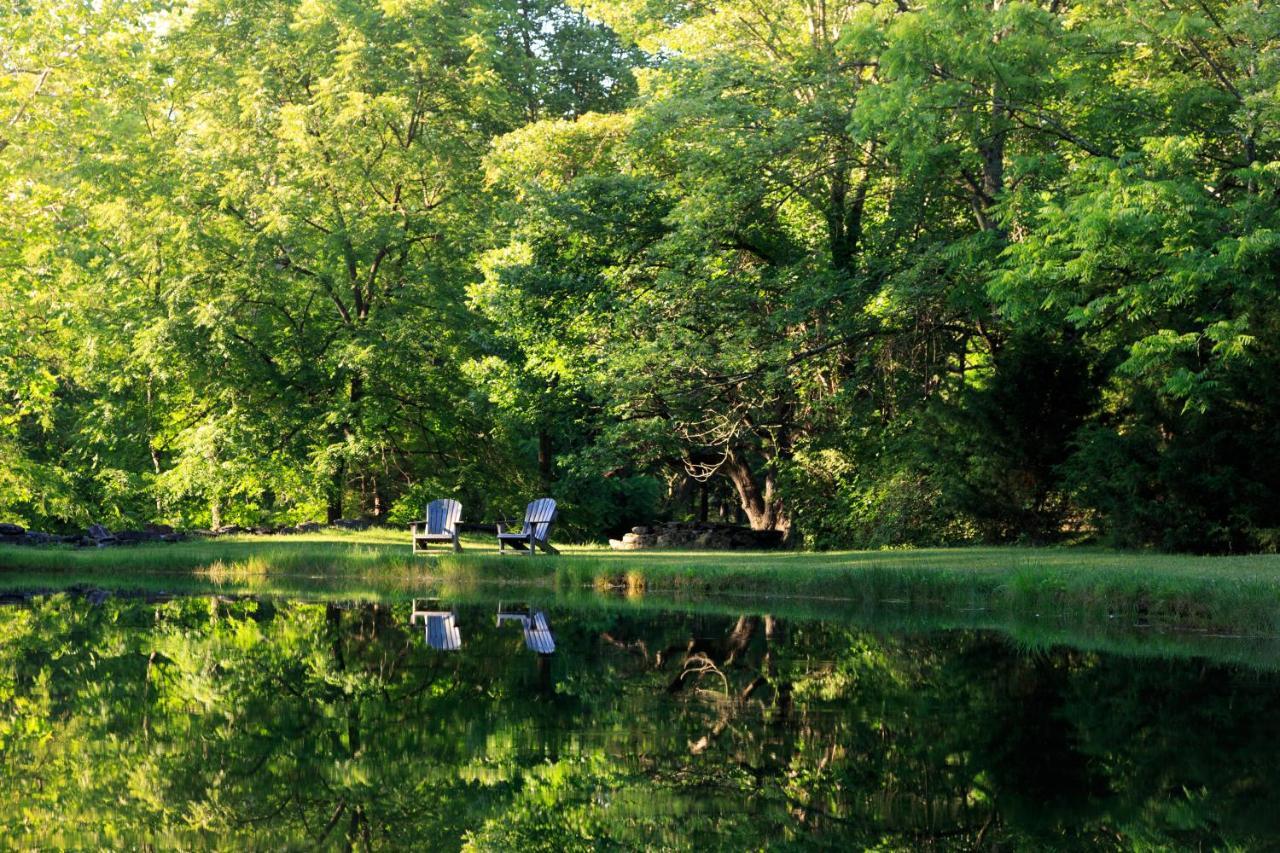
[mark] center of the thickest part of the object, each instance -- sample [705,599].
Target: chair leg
[457,546]
[533,552]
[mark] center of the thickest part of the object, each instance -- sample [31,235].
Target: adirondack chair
[539,517]
[441,525]
[440,626]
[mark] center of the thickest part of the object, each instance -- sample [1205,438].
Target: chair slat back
[443,515]
[443,633]
[538,517]
[539,639]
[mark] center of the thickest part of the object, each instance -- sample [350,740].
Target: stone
[134,536]
[352,523]
[228,530]
[708,535]
[11,530]
[161,529]
[309,527]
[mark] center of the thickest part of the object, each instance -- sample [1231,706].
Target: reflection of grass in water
[1085,586]
[1027,630]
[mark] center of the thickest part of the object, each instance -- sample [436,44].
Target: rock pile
[697,534]
[96,536]
[14,534]
[151,533]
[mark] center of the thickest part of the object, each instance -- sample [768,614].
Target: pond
[255,722]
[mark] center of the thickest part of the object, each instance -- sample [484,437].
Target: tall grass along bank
[1228,594]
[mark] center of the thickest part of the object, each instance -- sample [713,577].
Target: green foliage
[241,236]
[866,273]
[998,456]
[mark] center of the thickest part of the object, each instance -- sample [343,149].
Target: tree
[741,194]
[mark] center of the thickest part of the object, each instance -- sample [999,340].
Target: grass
[1081,585]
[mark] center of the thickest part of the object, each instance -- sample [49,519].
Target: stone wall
[697,534]
[98,536]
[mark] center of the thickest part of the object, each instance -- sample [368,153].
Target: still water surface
[201,722]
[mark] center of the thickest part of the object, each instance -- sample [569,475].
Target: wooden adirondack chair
[539,517]
[441,525]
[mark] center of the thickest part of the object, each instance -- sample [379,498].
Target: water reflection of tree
[830,773]
[198,721]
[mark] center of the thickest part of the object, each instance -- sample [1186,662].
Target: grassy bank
[1224,594]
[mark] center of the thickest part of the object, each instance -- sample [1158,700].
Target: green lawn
[1213,593]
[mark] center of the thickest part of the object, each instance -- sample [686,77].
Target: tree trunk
[338,485]
[761,504]
[546,459]
[379,506]
[985,195]
[844,218]
[992,151]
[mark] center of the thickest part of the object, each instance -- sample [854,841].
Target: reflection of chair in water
[442,632]
[537,633]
